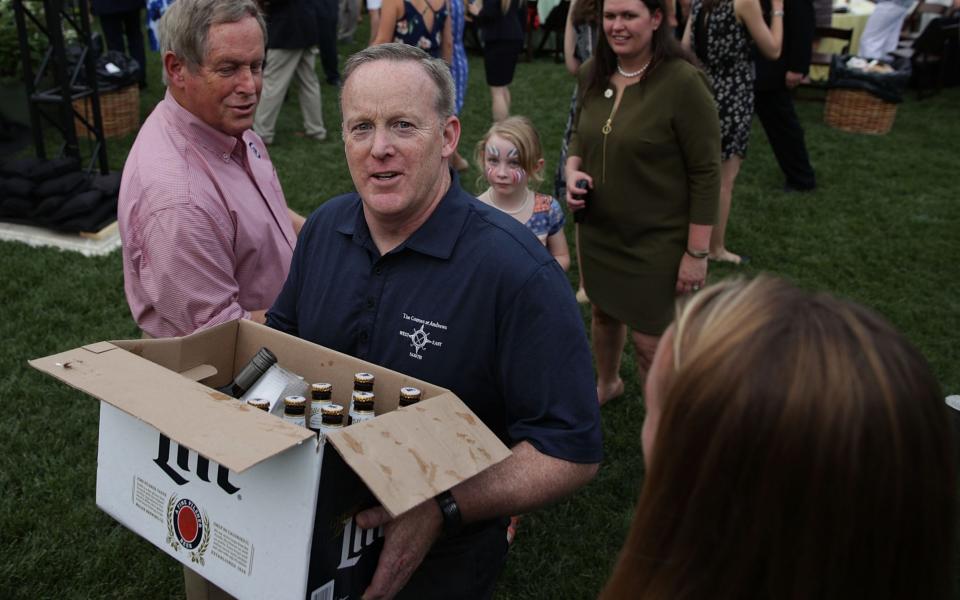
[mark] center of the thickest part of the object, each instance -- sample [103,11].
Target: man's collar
[436,237]
[197,131]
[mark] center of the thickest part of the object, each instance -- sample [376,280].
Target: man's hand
[407,539]
[792,79]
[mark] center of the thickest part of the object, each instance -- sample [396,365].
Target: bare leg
[608,336]
[728,175]
[500,99]
[645,346]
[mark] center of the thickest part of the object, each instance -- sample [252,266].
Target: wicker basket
[858,111]
[120,110]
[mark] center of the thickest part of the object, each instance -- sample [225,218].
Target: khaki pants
[280,69]
[198,588]
[347,22]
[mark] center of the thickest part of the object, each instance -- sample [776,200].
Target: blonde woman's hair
[520,132]
[803,450]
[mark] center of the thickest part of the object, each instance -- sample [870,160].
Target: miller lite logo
[188,527]
[355,540]
[183,462]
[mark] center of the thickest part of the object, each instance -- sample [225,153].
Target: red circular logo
[187,523]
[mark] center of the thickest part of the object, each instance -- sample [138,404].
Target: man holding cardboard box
[207,235]
[413,273]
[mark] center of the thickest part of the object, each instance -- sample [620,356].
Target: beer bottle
[363,382]
[361,407]
[250,373]
[293,410]
[409,395]
[320,394]
[332,415]
[260,403]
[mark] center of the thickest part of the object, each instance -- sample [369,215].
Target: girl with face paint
[512,160]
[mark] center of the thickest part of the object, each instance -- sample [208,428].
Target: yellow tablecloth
[856,19]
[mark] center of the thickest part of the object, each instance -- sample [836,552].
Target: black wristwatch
[452,521]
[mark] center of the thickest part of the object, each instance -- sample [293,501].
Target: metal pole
[28,78]
[52,10]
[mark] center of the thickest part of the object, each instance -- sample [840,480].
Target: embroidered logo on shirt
[254,148]
[419,336]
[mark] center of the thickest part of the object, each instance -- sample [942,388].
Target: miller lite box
[251,503]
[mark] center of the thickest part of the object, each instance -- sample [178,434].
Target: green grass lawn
[881,229]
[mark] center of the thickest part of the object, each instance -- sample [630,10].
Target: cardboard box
[252,503]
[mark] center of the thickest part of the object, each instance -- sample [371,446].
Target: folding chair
[823,36]
[929,52]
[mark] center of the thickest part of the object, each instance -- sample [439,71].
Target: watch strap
[452,520]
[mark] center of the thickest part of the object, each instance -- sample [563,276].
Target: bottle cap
[321,391]
[260,403]
[332,415]
[363,401]
[332,409]
[363,381]
[409,395]
[294,405]
[264,359]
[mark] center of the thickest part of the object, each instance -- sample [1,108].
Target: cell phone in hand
[580,215]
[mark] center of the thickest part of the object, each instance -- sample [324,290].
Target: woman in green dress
[646,144]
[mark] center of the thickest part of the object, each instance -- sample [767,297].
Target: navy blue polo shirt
[472,302]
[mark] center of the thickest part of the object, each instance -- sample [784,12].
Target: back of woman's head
[586,11]
[803,451]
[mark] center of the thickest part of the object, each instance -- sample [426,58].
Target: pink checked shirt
[206,233]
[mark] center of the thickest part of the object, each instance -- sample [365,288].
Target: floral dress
[155,10]
[726,50]
[547,218]
[412,31]
[459,67]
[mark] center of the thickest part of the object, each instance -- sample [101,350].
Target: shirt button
[370,303]
[378,270]
[225,156]
[363,336]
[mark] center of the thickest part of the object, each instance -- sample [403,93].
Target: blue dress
[412,31]
[155,9]
[459,67]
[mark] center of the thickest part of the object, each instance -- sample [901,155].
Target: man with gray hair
[412,273]
[207,235]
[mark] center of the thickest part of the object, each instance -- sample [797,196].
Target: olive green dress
[657,171]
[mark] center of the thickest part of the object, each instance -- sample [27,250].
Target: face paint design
[497,168]
[517,172]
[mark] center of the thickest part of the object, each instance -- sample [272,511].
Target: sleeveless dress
[726,51]
[412,31]
[458,68]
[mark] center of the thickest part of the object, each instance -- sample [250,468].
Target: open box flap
[414,453]
[213,424]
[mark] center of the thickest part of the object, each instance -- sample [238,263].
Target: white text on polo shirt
[419,337]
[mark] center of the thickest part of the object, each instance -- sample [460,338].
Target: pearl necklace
[636,73]
[523,205]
